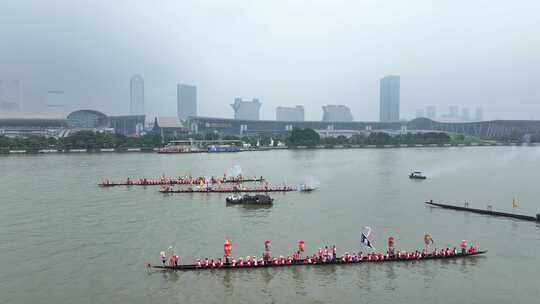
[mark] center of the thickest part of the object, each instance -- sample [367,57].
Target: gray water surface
[65,240]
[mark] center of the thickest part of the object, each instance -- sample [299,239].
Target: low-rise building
[168,127]
[60,125]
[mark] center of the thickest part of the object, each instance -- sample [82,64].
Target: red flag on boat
[391,241]
[227,248]
[267,245]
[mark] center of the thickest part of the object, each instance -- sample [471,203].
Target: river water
[65,240]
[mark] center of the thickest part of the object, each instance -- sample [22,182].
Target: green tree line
[80,140]
[308,137]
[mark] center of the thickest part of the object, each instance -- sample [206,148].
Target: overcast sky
[469,53]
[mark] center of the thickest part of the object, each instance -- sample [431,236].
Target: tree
[379,139]
[460,138]
[357,139]
[231,137]
[303,137]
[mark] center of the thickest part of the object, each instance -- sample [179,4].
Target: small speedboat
[417,175]
[257,199]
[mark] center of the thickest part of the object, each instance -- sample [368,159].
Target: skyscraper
[453,112]
[248,110]
[336,113]
[478,114]
[431,112]
[290,113]
[186,101]
[136,106]
[10,95]
[389,98]
[466,114]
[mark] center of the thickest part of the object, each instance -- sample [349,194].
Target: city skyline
[136,104]
[186,102]
[462,63]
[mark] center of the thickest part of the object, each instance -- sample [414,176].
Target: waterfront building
[389,98]
[290,113]
[246,110]
[10,95]
[87,119]
[136,95]
[225,126]
[336,113]
[21,124]
[128,125]
[59,125]
[168,127]
[186,96]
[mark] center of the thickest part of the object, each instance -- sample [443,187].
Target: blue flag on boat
[365,241]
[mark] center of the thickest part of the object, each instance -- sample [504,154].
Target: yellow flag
[514,203]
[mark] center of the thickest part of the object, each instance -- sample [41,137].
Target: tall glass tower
[137,95]
[389,99]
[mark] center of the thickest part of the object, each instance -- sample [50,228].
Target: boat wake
[310,183]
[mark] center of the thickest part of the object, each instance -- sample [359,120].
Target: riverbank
[154,150]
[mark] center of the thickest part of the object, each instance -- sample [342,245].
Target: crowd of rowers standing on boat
[326,255]
[184,180]
[205,187]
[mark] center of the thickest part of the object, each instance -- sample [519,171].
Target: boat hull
[229,191]
[487,212]
[250,200]
[190,267]
[179,182]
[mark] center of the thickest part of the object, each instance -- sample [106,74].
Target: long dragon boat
[230,190]
[304,262]
[487,212]
[179,181]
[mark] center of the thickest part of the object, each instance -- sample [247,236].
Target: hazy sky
[469,53]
